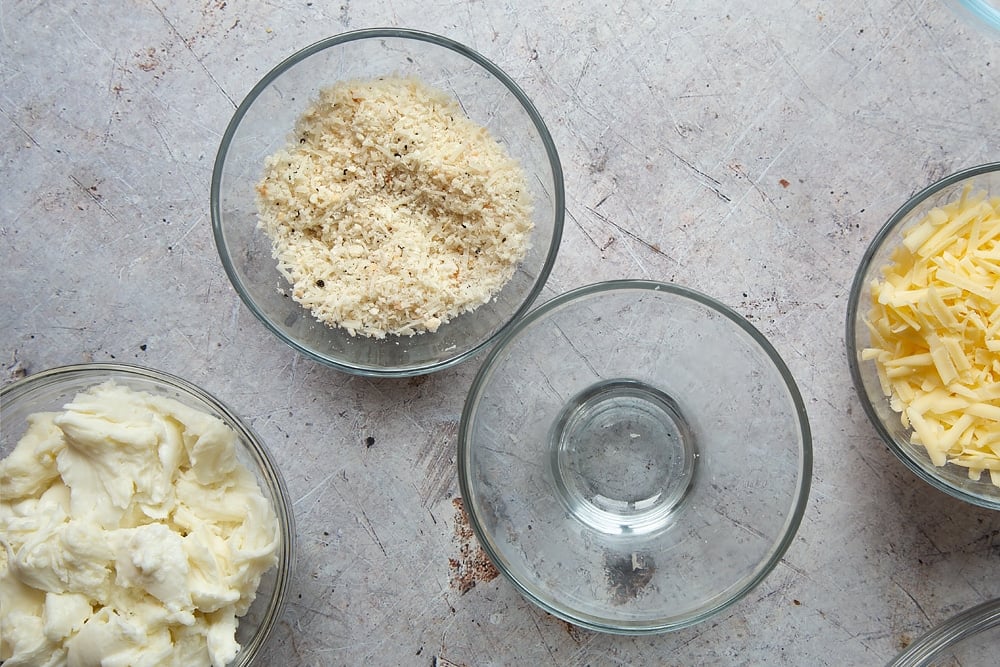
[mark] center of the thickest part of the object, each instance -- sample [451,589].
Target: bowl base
[622,457]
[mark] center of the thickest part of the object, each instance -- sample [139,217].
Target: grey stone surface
[749,150]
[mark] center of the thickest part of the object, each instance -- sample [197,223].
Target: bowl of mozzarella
[923,334]
[142,522]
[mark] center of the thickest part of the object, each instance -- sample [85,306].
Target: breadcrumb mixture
[390,211]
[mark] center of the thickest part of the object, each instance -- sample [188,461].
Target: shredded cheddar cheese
[935,333]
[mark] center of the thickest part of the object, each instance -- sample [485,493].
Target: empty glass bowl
[50,390]
[265,120]
[634,456]
[968,639]
[950,478]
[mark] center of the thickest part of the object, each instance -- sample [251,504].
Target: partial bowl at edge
[969,639]
[51,389]
[984,14]
[951,479]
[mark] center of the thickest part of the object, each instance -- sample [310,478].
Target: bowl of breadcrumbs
[387,202]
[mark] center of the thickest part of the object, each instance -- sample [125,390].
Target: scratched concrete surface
[746,149]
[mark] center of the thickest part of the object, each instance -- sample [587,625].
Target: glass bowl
[50,390]
[968,639]
[950,478]
[263,124]
[634,456]
[983,13]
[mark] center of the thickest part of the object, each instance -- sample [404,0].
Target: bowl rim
[559,195]
[851,321]
[980,10]
[285,568]
[959,627]
[792,521]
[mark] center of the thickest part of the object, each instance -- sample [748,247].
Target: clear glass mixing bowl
[262,124]
[950,478]
[634,456]
[51,389]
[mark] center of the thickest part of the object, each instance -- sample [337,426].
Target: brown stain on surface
[147,60]
[472,565]
[575,632]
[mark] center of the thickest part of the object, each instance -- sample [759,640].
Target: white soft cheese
[131,535]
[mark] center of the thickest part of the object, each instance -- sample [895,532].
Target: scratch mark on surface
[436,459]
[714,185]
[83,32]
[194,225]
[170,152]
[582,356]
[97,200]
[234,314]
[637,261]
[402,410]
[548,383]
[114,106]
[313,490]
[632,235]
[583,70]
[873,58]
[22,130]
[654,246]
[573,95]
[506,453]
[585,233]
[797,570]
[742,526]
[699,95]
[541,636]
[914,601]
[755,182]
[370,529]
[187,46]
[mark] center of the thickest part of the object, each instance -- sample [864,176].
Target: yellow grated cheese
[391,212]
[935,333]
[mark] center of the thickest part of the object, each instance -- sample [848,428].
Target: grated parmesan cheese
[390,211]
[935,328]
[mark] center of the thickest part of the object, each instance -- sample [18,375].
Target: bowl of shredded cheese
[387,202]
[923,334]
[141,522]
